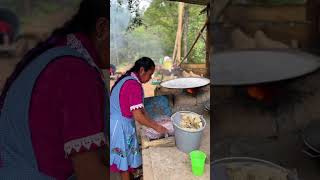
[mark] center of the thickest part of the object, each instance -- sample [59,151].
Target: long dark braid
[84,21]
[145,62]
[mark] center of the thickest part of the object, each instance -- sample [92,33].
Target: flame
[265,93]
[258,93]
[192,91]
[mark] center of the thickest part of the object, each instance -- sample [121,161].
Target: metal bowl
[311,139]
[218,167]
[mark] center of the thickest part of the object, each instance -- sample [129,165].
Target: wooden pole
[179,31]
[209,43]
[211,20]
[185,31]
[175,49]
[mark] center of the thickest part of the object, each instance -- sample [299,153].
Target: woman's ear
[141,71]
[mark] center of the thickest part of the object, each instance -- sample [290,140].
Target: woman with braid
[126,107]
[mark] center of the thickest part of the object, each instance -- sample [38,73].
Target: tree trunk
[185,32]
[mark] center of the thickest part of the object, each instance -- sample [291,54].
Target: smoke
[119,22]
[127,46]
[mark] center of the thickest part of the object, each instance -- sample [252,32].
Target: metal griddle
[245,67]
[185,83]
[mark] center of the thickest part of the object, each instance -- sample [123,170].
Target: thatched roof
[199,2]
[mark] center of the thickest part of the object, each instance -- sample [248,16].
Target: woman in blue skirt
[126,106]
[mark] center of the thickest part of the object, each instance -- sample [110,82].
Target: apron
[125,152]
[16,151]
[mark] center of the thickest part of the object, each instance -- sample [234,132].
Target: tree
[161,18]
[155,35]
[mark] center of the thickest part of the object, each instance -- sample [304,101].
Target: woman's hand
[141,116]
[162,130]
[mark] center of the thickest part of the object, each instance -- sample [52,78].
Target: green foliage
[161,19]
[196,22]
[153,33]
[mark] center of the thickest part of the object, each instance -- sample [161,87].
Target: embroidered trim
[85,142]
[132,151]
[134,76]
[119,152]
[138,106]
[74,43]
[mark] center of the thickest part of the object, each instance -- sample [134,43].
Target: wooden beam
[198,2]
[284,33]
[208,43]
[210,37]
[266,13]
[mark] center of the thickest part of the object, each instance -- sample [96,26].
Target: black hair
[145,62]
[84,21]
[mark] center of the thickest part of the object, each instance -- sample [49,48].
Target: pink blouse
[67,112]
[131,96]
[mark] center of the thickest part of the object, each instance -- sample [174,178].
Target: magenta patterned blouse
[67,112]
[131,96]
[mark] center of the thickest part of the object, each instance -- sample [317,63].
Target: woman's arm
[141,116]
[89,165]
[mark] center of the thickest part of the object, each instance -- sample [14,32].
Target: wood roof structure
[198,2]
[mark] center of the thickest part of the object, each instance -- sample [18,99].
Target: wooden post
[179,32]
[208,43]
[185,32]
[175,49]
[210,38]
[313,15]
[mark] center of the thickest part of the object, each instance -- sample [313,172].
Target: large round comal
[247,67]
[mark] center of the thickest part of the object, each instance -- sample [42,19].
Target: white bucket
[186,141]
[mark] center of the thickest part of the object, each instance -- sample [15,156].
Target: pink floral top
[67,112]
